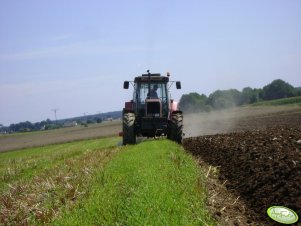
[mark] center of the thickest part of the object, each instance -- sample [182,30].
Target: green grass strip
[152,183]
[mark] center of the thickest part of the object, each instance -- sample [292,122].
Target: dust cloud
[228,120]
[208,123]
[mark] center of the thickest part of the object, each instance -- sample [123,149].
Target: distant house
[70,124]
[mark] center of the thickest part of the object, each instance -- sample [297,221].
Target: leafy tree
[193,102]
[298,91]
[278,89]
[225,98]
[90,121]
[250,96]
[21,127]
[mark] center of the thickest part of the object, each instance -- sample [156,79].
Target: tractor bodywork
[151,112]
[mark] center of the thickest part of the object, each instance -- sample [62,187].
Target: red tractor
[151,112]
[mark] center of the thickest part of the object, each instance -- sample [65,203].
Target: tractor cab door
[151,96]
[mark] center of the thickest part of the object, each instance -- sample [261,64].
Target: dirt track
[261,162]
[41,138]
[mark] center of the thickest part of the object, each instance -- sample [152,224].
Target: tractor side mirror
[126,84]
[178,85]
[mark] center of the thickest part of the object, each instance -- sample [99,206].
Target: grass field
[37,183]
[96,182]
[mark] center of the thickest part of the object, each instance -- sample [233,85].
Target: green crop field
[96,182]
[283,101]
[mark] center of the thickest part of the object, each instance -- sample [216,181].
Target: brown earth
[260,164]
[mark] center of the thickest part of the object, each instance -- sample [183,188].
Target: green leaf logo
[282,214]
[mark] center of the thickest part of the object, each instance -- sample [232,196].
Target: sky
[74,55]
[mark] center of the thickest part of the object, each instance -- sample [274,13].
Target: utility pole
[55,110]
[84,113]
[100,114]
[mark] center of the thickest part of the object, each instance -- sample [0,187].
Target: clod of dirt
[262,166]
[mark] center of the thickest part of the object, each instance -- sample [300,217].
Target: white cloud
[73,49]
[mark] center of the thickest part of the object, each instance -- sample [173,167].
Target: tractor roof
[151,78]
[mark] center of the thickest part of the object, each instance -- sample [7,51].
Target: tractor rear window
[153,90]
[156,91]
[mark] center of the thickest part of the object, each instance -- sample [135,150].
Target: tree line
[220,99]
[55,124]
[47,124]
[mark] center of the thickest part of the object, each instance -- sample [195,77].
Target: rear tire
[175,130]
[128,126]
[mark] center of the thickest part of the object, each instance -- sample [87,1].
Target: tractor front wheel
[175,129]
[128,124]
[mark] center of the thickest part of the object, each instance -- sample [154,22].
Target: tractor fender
[129,106]
[173,106]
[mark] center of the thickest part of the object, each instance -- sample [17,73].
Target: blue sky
[75,55]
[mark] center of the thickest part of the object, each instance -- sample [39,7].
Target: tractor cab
[151,96]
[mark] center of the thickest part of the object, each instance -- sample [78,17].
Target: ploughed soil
[259,163]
